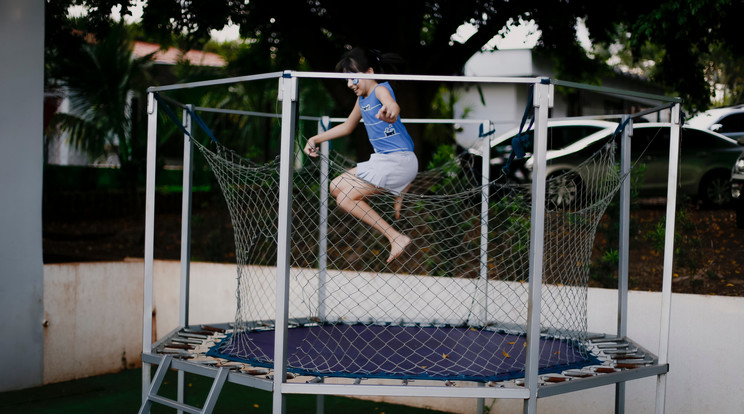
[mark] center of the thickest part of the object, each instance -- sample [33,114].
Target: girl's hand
[387,114]
[310,148]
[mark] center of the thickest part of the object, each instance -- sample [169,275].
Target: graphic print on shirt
[385,137]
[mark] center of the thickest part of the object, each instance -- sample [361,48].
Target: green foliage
[686,240]
[99,78]
[605,271]
[677,43]
[612,228]
[685,39]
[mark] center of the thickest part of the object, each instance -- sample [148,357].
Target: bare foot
[397,245]
[398,205]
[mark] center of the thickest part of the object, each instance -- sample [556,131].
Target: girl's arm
[390,109]
[341,130]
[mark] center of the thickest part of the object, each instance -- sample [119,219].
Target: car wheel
[715,190]
[564,189]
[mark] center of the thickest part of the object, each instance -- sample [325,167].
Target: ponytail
[360,60]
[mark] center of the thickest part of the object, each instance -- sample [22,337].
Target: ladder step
[174,404]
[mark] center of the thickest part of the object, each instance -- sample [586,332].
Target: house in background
[58,149]
[504,104]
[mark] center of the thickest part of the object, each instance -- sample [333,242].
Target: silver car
[705,166]
[726,121]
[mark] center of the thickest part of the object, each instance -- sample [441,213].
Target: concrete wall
[95,317]
[93,312]
[21,109]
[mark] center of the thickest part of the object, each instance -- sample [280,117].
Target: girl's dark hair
[360,60]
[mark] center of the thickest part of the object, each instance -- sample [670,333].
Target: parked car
[706,160]
[726,121]
[560,135]
[737,187]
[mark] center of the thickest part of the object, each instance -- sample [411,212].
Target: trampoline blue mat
[402,352]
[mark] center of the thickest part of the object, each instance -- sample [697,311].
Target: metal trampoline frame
[530,389]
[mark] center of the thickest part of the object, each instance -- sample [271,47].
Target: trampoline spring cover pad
[402,352]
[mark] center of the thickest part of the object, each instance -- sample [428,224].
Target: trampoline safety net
[453,305]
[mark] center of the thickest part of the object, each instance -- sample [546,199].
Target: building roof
[172,55]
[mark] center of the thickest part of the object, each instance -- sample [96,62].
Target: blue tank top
[384,137]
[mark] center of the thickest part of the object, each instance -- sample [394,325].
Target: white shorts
[392,171]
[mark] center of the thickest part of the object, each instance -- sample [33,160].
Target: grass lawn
[121,393]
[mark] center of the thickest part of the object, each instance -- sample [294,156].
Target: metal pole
[188,159]
[152,133]
[623,246]
[543,99]
[288,97]
[323,125]
[485,195]
[666,289]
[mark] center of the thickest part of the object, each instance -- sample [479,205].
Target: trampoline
[404,352]
[492,290]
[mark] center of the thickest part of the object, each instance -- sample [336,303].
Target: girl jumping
[392,166]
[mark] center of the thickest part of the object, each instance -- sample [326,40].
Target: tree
[317,31]
[101,78]
[685,38]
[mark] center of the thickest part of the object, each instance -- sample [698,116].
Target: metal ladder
[220,377]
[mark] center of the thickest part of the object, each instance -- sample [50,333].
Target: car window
[650,140]
[561,137]
[732,123]
[699,140]
[558,137]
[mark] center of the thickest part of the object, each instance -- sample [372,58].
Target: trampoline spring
[555,378]
[176,353]
[578,373]
[601,339]
[357,381]
[192,335]
[613,345]
[179,346]
[195,332]
[630,365]
[255,371]
[207,362]
[229,365]
[314,380]
[212,329]
[187,341]
[626,355]
[290,375]
[642,361]
[619,351]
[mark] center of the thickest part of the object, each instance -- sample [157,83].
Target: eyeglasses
[353,81]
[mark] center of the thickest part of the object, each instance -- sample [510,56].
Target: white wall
[21,114]
[95,318]
[93,312]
